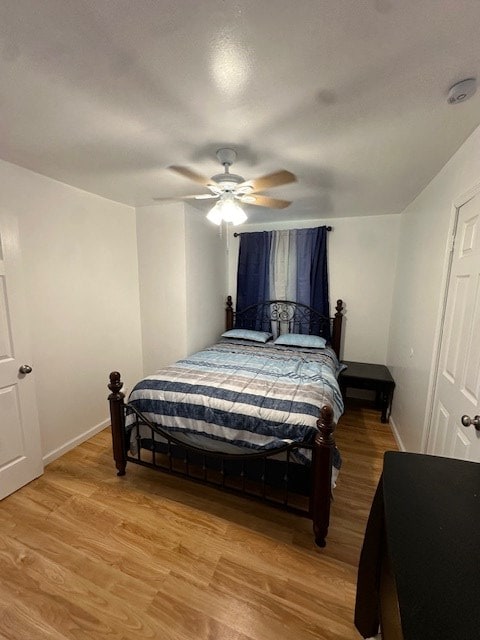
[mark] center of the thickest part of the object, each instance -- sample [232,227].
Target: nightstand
[374,377]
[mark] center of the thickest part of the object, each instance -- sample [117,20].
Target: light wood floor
[87,555]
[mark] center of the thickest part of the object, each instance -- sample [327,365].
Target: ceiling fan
[230,189]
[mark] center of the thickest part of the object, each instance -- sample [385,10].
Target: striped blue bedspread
[255,396]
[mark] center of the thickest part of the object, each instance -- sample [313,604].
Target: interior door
[458,378]
[20,450]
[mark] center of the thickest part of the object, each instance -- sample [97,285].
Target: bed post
[117,417]
[229,314]
[337,328]
[320,496]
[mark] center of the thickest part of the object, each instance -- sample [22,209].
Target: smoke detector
[462,91]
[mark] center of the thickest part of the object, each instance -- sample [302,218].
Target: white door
[20,451]
[458,379]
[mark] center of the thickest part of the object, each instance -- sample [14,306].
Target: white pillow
[248,334]
[301,340]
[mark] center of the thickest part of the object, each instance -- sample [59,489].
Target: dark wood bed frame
[250,472]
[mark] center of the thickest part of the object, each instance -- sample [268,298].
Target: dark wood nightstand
[374,377]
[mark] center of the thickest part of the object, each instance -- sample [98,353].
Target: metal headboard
[286,316]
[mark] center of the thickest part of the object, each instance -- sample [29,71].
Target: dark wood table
[425,520]
[374,377]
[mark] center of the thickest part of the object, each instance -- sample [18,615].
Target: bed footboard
[322,460]
[117,418]
[318,480]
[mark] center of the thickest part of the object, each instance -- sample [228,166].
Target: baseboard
[396,435]
[74,442]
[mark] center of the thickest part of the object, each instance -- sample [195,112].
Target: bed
[250,416]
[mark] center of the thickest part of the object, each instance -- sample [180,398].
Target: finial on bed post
[322,475]
[337,328]
[117,418]
[229,314]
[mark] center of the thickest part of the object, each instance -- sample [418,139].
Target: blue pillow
[301,340]
[248,334]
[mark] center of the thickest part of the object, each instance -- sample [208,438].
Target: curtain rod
[235,235]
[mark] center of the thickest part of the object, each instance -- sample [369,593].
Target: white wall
[81,276]
[182,276]
[162,274]
[424,241]
[206,281]
[362,253]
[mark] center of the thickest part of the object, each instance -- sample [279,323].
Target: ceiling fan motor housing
[228,180]
[228,177]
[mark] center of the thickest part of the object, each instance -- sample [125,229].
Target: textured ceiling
[350,95]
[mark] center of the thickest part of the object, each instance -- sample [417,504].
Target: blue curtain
[253,274]
[319,299]
[289,265]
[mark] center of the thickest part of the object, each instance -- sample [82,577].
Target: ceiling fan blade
[203,196]
[272,180]
[191,175]
[265,201]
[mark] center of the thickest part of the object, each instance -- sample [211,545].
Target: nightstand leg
[385,399]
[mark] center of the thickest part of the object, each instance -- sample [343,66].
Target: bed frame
[258,475]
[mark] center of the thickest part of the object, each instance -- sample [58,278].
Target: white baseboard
[396,435]
[74,442]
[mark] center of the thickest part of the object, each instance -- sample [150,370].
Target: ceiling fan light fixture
[228,211]
[240,217]
[232,212]
[215,214]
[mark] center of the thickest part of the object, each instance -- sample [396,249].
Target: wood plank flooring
[87,555]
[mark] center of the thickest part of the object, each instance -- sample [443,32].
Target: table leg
[385,399]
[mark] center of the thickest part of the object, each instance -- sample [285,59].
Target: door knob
[25,368]
[467,421]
